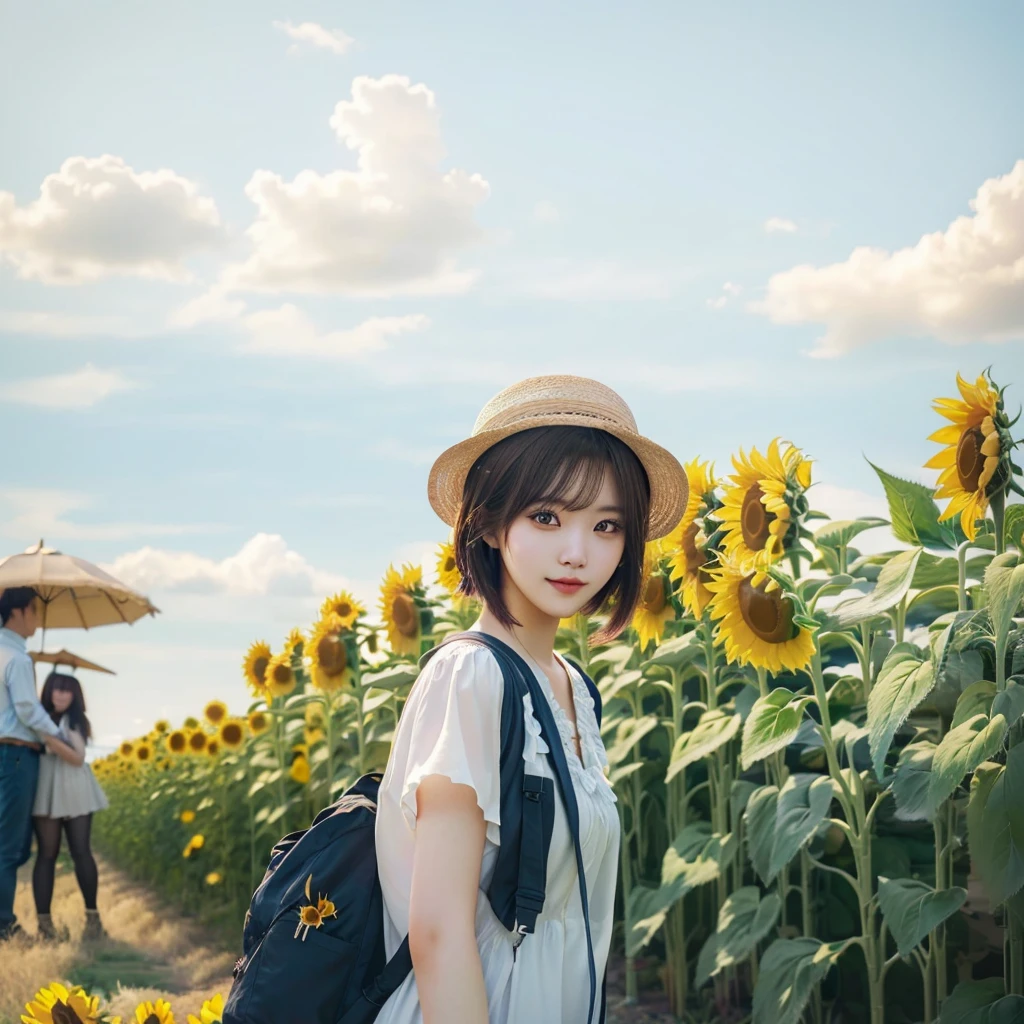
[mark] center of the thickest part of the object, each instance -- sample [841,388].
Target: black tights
[48,839]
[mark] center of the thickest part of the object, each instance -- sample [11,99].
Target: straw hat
[560,401]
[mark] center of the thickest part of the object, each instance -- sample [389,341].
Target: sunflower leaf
[912,909]
[893,584]
[1010,702]
[788,973]
[975,700]
[982,1002]
[914,514]
[744,919]
[759,816]
[904,681]
[772,723]
[1013,526]
[1004,584]
[961,751]
[803,802]
[713,730]
[995,824]
[841,531]
[911,779]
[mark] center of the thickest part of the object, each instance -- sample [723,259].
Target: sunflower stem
[961,576]
[997,501]
[584,640]
[709,665]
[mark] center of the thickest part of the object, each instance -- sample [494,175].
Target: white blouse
[451,726]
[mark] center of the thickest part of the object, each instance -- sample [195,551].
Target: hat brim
[669,486]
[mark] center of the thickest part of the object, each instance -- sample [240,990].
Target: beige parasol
[63,657]
[75,594]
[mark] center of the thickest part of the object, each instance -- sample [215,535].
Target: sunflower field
[817,753]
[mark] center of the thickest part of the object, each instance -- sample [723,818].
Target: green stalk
[961,576]
[998,501]
[282,792]
[328,712]
[807,907]
[626,868]
[711,679]
[584,642]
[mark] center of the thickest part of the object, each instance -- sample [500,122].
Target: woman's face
[547,544]
[61,700]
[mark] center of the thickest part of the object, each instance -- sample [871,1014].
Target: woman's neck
[535,635]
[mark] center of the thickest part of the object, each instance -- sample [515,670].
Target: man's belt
[11,741]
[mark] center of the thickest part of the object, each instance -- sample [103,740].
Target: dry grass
[151,953]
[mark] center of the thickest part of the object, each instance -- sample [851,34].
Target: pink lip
[567,586]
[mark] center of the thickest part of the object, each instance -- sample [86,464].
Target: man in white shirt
[25,730]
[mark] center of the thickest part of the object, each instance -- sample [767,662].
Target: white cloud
[959,285]
[34,513]
[211,305]
[851,503]
[775,225]
[79,390]
[65,325]
[546,212]
[288,331]
[394,226]
[729,291]
[310,32]
[99,217]
[264,565]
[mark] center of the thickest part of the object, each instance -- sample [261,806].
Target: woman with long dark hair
[67,796]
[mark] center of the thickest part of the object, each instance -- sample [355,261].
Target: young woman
[67,796]
[551,500]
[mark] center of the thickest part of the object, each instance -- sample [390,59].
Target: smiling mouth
[567,586]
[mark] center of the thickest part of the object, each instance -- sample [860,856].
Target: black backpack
[339,973]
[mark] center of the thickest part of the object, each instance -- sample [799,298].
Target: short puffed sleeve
[451,726]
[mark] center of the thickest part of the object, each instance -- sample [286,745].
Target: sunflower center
[405,616]
[344,609]
[695,557]
[755,519]
[654,595]
[969,460]
[282,673]
[769,616]
[63,1014]
[330,652]
[152,1019]
[259,668]
[232,733]
[449,564]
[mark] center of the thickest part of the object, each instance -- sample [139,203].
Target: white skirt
[65,790]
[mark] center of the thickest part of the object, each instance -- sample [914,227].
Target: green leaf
[713,730]
[772,723]
[982,1002]
[1004,584]
[1010,702]
[975,700]
[739,795]
[904,681]
[961,751]
[893,584]
[760,821]
[677,652]
[788,973]
[995,825]
[841,531]
[802,806]
[696,857]
[912,909]
[393,678]
[911,780]
[628,734]
[1013,526]
[914,514]
[744,919]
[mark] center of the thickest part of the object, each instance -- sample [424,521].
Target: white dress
[451,726]
[66,790]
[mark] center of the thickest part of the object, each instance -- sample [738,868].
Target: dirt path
[151,952]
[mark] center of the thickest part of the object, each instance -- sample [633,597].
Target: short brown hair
[563,465]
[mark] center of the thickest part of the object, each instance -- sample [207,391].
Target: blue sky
[749,221]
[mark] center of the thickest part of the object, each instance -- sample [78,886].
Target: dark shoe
[45,930]
[93,931]
[14,931]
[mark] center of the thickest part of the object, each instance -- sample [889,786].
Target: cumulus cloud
[66,325]
[264,565]
[729,292]
[288,331]
[81,389]
[393,226]
[774,225]
[97,217]
[959,285]
[315,35]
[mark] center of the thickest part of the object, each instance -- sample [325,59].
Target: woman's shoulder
[460,665]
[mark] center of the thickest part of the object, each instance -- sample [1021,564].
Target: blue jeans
[19,772]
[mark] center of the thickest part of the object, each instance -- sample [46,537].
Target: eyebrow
[611,508]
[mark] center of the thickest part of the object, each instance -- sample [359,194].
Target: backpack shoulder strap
[592,689]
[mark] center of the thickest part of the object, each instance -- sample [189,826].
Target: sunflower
[190,723]
[215,712]
[400,596]
[342,606]
[127,748]
[254,667]
[975,464]
[280,676]
[214,878]
[313,736]
[195,844]
[755,621]
[691,556]
[259,721]
[213,747]
[232,734]
[761,509]
[177,741]
[154,1013]
[197,741]
[143,752]
[655,607]
[314,715]
[211,1013]
[73,1005]
[448,574]
[329,657]
[161,726]
[299,771]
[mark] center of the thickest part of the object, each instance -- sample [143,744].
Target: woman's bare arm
[72,754]
[450,832]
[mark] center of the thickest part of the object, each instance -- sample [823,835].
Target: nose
[574,549]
